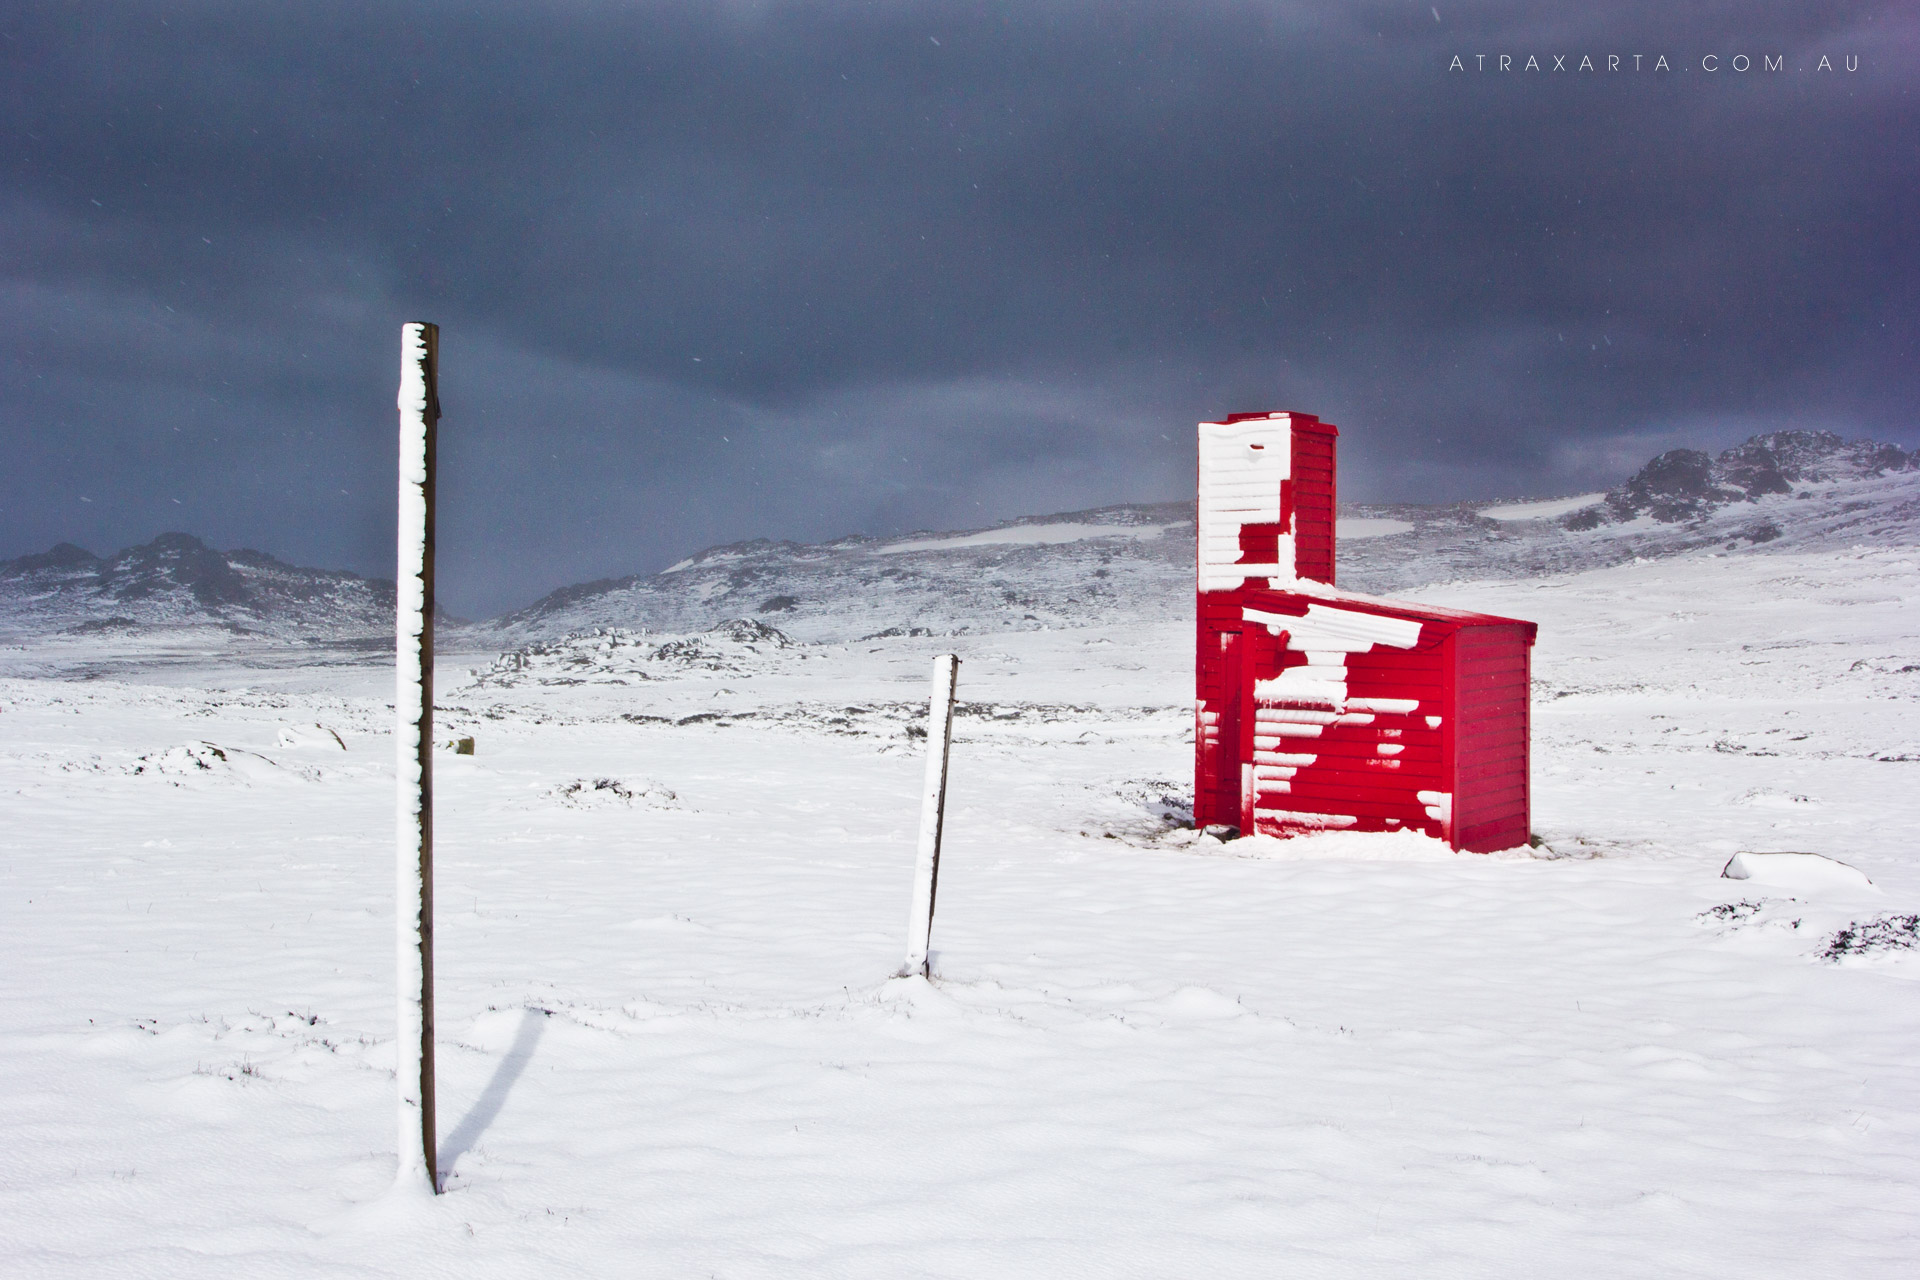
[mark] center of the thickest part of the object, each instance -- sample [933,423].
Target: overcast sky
[708,272]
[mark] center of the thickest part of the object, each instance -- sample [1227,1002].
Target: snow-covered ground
[1542,510]
[673,881]
[1026,535]
[1363,527]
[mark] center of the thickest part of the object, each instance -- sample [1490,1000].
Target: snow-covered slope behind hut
[1076,568]
[1789,491]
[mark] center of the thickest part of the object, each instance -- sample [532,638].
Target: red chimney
[1266,500]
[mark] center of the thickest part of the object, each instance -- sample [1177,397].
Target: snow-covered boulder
[1794,871]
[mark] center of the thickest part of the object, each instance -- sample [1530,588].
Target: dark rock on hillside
[751,631]
[1686,484]
[102,626]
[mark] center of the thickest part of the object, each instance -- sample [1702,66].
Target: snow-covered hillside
[672,883]
[1075,568]
[1787,491]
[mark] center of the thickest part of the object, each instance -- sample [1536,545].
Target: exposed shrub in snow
[192,758]
[205,762]
[1170,802]
[1730,913]
[596,793]
[1888,933]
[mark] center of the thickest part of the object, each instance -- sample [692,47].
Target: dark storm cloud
[798,270]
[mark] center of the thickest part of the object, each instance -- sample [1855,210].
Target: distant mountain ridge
[1783,490]
[178,580]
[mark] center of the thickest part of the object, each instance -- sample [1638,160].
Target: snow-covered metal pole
[413,742]
[933,813]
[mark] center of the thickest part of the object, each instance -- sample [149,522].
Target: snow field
[1545,510]
[1370,527]
[668,1046]
[1026,535]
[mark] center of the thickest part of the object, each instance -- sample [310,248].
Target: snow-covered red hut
[1320,708]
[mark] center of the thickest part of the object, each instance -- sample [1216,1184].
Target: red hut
[1319,708]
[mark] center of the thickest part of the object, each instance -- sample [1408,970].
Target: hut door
[1229,756]
[1242,671]
[1259,658]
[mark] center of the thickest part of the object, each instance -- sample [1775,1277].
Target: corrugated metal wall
[1366,765]
[1491,680]
[1311,497]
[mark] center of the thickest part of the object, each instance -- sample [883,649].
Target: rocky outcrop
[1685,484]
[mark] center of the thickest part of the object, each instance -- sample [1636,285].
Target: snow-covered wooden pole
[933,813]
[413,739]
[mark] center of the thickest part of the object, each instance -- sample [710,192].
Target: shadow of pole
[494,1096]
